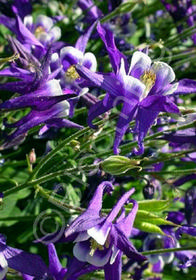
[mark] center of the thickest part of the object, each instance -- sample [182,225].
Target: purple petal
[113,272]
[25,36]
[77,268]
[55,266]
[57,122]
[126,224]
[114,54]
[16,73]
[90,217]
[92,13]
[98,109]
[108,82]
[186,230]
[125,117]
[156,103]
[144,120]
[26,263]
[83,39]
[39,102]
[186,86]
[123,243]
[115,210]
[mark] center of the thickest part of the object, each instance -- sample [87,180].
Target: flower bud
[117,165]
[32,156]
[148,191]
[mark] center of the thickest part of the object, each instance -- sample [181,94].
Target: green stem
[48,177]
[163,251]
[55,201]
[171,172]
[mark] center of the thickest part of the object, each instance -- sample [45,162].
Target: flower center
[39,31]
[148,79]
[94,246]
[71,74]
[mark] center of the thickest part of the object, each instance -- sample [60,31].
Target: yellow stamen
[71,74]
[148,78]
[38,31]
[94,246]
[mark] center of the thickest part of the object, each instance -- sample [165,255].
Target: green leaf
[148,227]
[145,216]
[153,205]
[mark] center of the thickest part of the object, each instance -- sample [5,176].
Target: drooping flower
[144,90]
[101,241]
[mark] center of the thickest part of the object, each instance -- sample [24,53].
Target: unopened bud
[148,191]
[32,156]
[117,165]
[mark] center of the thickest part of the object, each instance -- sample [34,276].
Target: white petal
[73,52]
[44,21]
[64,105]
[115,252]
[82,253]
[28,20]
[83,91]
[122,73]
[92,60]
[54,57]
[56,33]
[141,60]
[99,233]
[166,69]
[53,87]
[134,86]
[3,265]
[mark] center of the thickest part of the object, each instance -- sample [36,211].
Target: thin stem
[163,251]
[48,177]
[172,172]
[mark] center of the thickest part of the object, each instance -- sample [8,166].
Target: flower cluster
[81,55]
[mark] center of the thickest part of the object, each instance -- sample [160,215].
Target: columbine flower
[99,240]
[143,89]
[69,57]
[20,261]
[36,37]
[48,106]
[31,74]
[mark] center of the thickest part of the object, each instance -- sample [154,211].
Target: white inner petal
[99,233]
[3,266]
[164,67]
[141,59]
[90,57]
